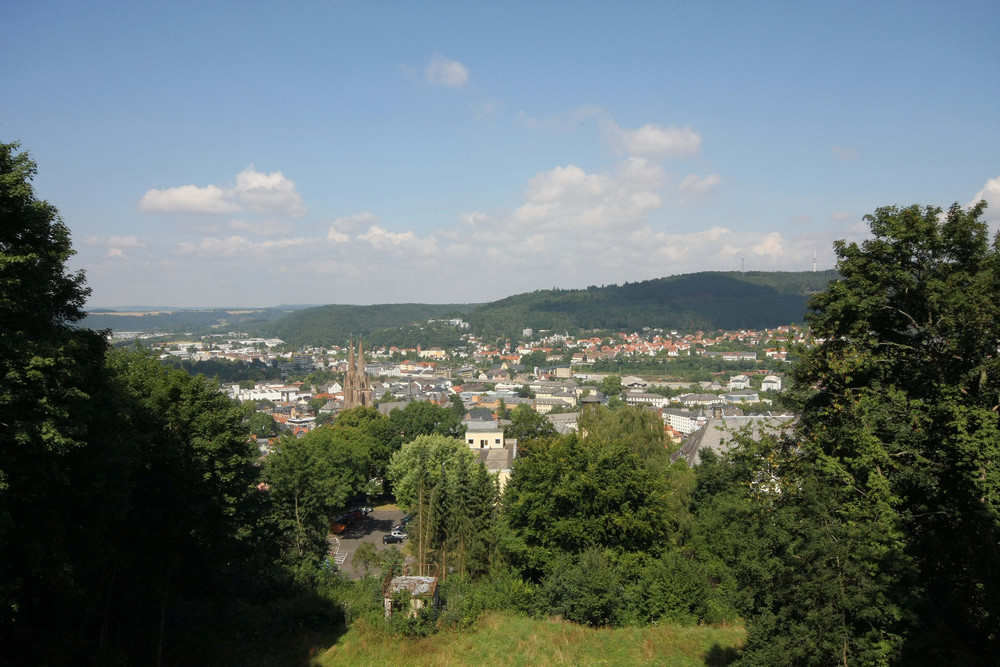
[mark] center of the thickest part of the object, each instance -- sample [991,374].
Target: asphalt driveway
[369,529]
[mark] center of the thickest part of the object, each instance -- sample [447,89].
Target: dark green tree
[451,496]
[882,513]
[526,424]
[262,425]
[311,479]
[424,418]
[50,375]
[458,406]
[578,493]
[611,385]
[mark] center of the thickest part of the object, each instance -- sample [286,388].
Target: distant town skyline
[226,154]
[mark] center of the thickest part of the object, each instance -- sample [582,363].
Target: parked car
[364,509]
[392,538]
[337,528]
[398,533]
[407,519]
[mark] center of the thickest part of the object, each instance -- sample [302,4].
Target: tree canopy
[882,513]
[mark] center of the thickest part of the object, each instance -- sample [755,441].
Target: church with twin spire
[357,390]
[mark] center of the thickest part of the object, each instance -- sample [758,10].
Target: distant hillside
[709,300]
[171,320]
[329,325]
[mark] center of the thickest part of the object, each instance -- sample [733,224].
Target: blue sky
[229,154]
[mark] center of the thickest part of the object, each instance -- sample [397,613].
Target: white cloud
[655,140]
[694,189]
[568,198]
[233,246]
[130,241]
[380,239]
[267,194]
[843,216]
[353,223]
[271,194]
[444,72]
[187,199]
[991,194]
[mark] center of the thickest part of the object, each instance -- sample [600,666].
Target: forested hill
[333,324]
[707,300]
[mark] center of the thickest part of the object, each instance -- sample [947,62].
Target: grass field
[515,640]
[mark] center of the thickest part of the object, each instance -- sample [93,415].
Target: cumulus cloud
[694,188]
[337,237]
[568,198]
[129,241]
[406,242]
[211,247]
[188,199]
[444,72]
[655,140]
[267,194]
[991,194]
[271,194]
[353,223]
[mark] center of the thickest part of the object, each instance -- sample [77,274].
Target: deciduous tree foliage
[526,424]
[311,479]
[49,374]
[884,542]
[593,491]
[127,498]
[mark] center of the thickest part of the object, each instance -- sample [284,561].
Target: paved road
[370,529]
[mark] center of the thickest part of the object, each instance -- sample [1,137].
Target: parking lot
[369,529]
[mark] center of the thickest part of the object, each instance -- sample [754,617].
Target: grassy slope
[515,640]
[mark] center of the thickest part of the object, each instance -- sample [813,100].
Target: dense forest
[688,302]
[334,324]
[197,322]
[141,525]
[706,301]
